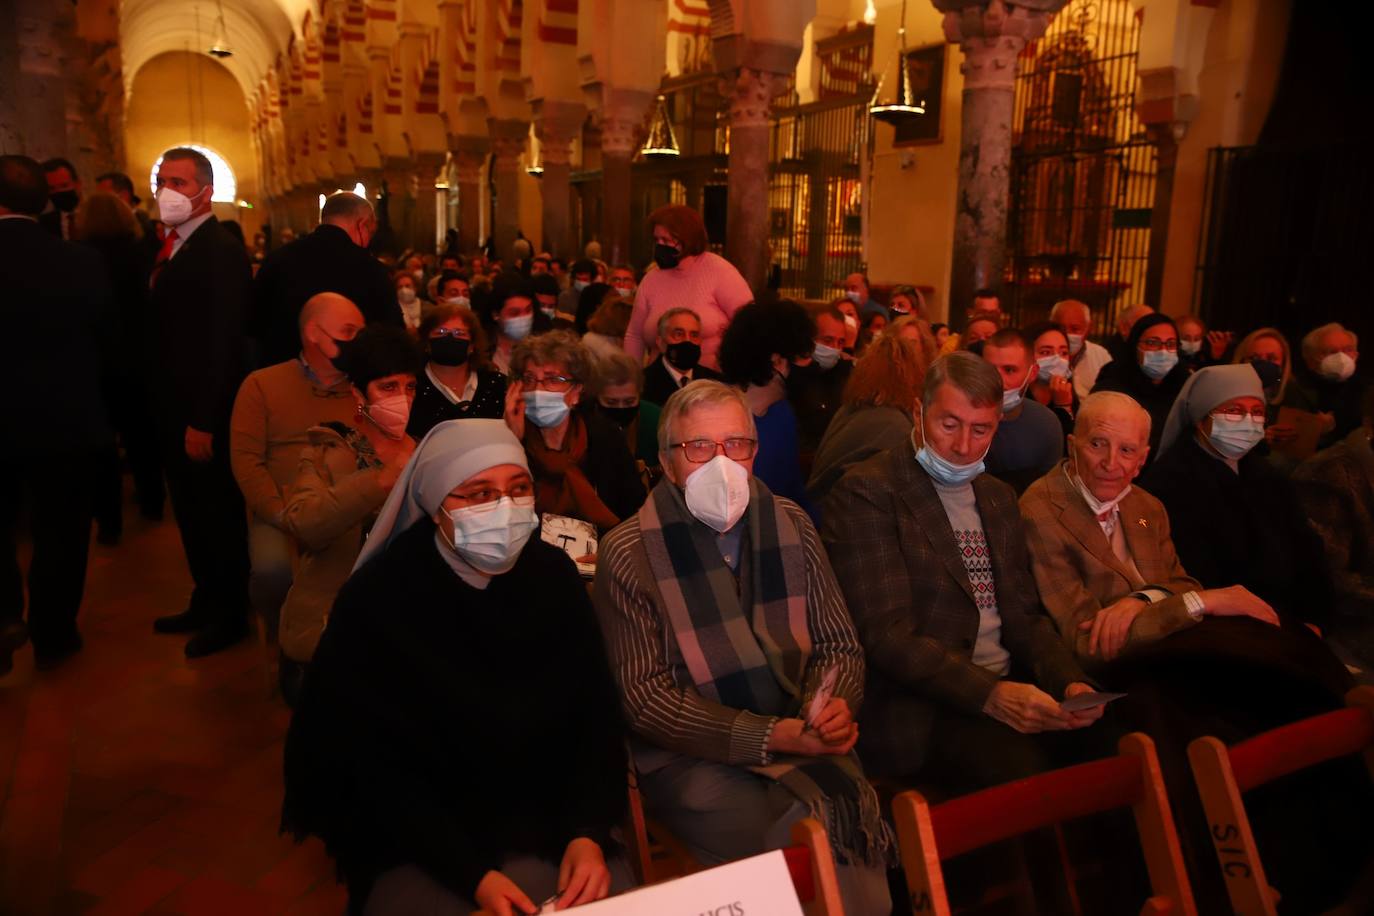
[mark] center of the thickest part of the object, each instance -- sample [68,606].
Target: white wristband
[1192,602]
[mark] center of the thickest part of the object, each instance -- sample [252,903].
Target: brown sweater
[273,412]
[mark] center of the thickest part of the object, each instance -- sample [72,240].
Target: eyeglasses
[1236,414]
[462,333]
[700,451]
[555,383]
[1154,343]
[488,497]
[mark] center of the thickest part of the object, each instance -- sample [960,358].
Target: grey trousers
[270,575]
[408,891]
[723,813]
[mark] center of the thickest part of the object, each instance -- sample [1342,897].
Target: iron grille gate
[1082,168]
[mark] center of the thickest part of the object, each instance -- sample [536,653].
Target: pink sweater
[707,284]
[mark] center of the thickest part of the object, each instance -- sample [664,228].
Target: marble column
[426,203]
[622,125]
[747,217]
[469,154]
[39,95]
[558,124]
[401,202]
[509,138]
[990,35]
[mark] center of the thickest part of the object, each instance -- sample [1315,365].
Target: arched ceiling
[258,31]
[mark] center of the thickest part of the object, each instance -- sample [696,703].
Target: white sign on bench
[760,886]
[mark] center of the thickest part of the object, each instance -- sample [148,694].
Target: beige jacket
[327,506]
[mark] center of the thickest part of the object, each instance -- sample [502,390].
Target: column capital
[509,138]
[991,35]
[557,125]
[751,95]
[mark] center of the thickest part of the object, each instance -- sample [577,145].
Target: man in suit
[200,288]
[964,667]
[815,389]
[121,186]
[332,259]
[1100,547]
[54,308]
[679,349]
[64,192]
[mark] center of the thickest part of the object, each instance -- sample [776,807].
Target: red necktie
[164,255]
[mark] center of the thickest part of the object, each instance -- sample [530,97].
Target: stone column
[469,154]
[426,203]
[401,200]
[508,141]
[558,124]
[991,36]
[1165,137]
[622,124]
[746,218]
[39,96]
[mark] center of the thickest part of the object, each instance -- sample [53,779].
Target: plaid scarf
[756,658]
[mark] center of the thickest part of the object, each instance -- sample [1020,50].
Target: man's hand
[1218,341]
[1238,601]
[791,737]
[1026,708]
[515,408]
[199,446]
[834,722]
[583,877]
[1111,627]
[1083,716]
[499,895]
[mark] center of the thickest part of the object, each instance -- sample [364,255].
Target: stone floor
[134,781]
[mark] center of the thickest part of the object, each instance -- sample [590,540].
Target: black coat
[126,261]
[55,308]
[430,407]
[610,466]
[447,727]
[197,358]
[1242,529]
[325,261]
[659,385]
[815,396]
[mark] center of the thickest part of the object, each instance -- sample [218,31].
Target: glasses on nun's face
[1236,413]
[485,494]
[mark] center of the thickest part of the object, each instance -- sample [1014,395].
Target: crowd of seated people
[831,543]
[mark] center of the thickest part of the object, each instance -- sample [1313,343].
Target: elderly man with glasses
[738,665]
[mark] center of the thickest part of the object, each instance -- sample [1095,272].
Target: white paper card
[1088,701]
[821,699]
[760,886]
[573,536]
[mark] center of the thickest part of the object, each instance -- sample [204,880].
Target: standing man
[64,191]
[53,311]
[332,259]
[121,186]
[200,288]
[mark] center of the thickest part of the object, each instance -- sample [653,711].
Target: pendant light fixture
[904,108]
[661,143]
[221,48]
[536,167]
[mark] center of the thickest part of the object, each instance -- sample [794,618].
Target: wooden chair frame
[1224,775]
[927,835]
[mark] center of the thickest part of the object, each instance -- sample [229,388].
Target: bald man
[1103,559]
[1086,358]
[334,259]
[274,410]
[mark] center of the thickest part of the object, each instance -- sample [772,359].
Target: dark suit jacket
[197,356]
[659,385]
[325,261]
[55,311]
[894,554]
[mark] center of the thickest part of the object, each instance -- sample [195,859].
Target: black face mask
[65,201]
[620,416]
[666,256]
[340,362]
[449,351]
[683,356]
[893,314]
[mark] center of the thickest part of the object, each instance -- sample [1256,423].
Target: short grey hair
[693,395]
[205,172]
[344,205]
[970,374]
[1101,402]
[553,347]
[1312,340]
[673,313]
[1058,309]
[617,368]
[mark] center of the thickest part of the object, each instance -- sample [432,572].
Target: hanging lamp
[221,48]
[904,108]
[661,143]
[536,167]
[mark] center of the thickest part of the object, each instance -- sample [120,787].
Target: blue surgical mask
[489,538]
[1158,363]
[1190,347]
[1234,438]
[1011,400]
[944,472]
[855,297]
[1053,367]
[545,408]
[825,357]
[580,285]
[517,328]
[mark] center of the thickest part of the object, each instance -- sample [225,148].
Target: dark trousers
[137,432]
[214,531]
[53,494]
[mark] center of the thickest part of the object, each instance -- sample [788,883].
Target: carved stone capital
[751,95]
[991,35]
[621,134]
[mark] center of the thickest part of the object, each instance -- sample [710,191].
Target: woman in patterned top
[458,382]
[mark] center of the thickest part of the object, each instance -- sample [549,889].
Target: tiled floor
[134,781]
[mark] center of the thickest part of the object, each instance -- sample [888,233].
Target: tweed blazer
[894,553]
[1078,573]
